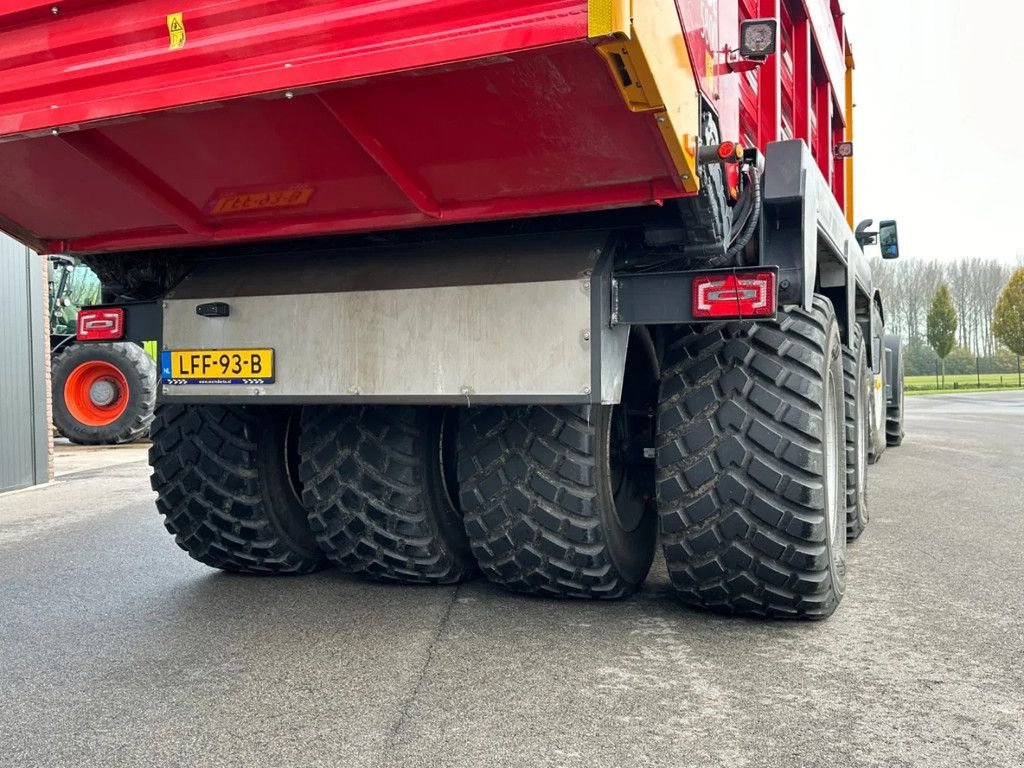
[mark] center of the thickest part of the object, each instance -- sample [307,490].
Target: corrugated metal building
[25,437]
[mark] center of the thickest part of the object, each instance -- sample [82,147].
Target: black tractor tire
[751,465]
[551,505]
[379,484]
[129,376]
[857,386]
[894,432]
[226,479]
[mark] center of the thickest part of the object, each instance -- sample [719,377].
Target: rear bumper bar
[528,319]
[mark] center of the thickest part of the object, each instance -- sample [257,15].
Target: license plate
[217,366]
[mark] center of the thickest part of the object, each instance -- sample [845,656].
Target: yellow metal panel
[608,17]
[652,68]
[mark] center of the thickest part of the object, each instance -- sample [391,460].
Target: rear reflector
[102,324]
[750,294]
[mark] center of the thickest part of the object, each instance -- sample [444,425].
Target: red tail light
[734,295]
[101,324]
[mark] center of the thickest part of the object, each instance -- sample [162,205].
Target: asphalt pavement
[117,649]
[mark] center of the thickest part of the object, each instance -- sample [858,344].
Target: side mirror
[888,239]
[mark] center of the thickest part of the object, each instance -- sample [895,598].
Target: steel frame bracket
[662,298]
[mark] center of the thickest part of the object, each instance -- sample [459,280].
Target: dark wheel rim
[446,446]
[292,457]
[862,428]
[628,502]
[835,508]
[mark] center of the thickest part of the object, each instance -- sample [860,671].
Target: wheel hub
[103,392]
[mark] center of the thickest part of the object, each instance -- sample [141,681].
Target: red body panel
[288,118]
[97,59]
[282,119]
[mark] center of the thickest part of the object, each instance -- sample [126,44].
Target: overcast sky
[939,88]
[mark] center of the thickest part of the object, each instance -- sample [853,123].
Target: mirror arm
[866,238]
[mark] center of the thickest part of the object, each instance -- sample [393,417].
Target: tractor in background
[103,394]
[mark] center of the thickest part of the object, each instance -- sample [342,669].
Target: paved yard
[116,649]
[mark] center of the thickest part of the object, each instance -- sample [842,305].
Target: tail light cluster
[734,295]
[100,324]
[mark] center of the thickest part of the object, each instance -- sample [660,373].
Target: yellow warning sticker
[709,72]
[176,30]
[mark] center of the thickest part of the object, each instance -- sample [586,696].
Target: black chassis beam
[664,298]
[143,321]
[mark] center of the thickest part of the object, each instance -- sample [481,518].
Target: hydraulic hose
[750,224]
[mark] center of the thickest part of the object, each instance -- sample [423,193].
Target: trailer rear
[442,288]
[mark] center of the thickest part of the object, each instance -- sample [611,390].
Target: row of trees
[1006,324]
[974,284]
[973,288]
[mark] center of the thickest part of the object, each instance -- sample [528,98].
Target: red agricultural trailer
[452,286]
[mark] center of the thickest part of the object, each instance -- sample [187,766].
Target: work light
[843,150]
[758,38]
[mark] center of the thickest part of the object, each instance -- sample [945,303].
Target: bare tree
[923,278]
[959,278]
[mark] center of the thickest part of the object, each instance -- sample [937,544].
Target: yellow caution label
[176,31]
[709,72]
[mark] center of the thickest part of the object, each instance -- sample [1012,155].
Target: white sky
[939,88]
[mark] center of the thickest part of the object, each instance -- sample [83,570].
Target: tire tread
[852,372]
[740,462]
[211,491]
[529,480]
[366,474]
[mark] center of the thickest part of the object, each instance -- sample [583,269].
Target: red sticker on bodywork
[239,201]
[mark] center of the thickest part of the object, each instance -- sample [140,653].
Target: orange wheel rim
[96,393]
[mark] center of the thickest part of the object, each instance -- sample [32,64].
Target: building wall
[44,279]
[26,442]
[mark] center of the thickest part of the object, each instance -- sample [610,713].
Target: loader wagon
[443,288]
